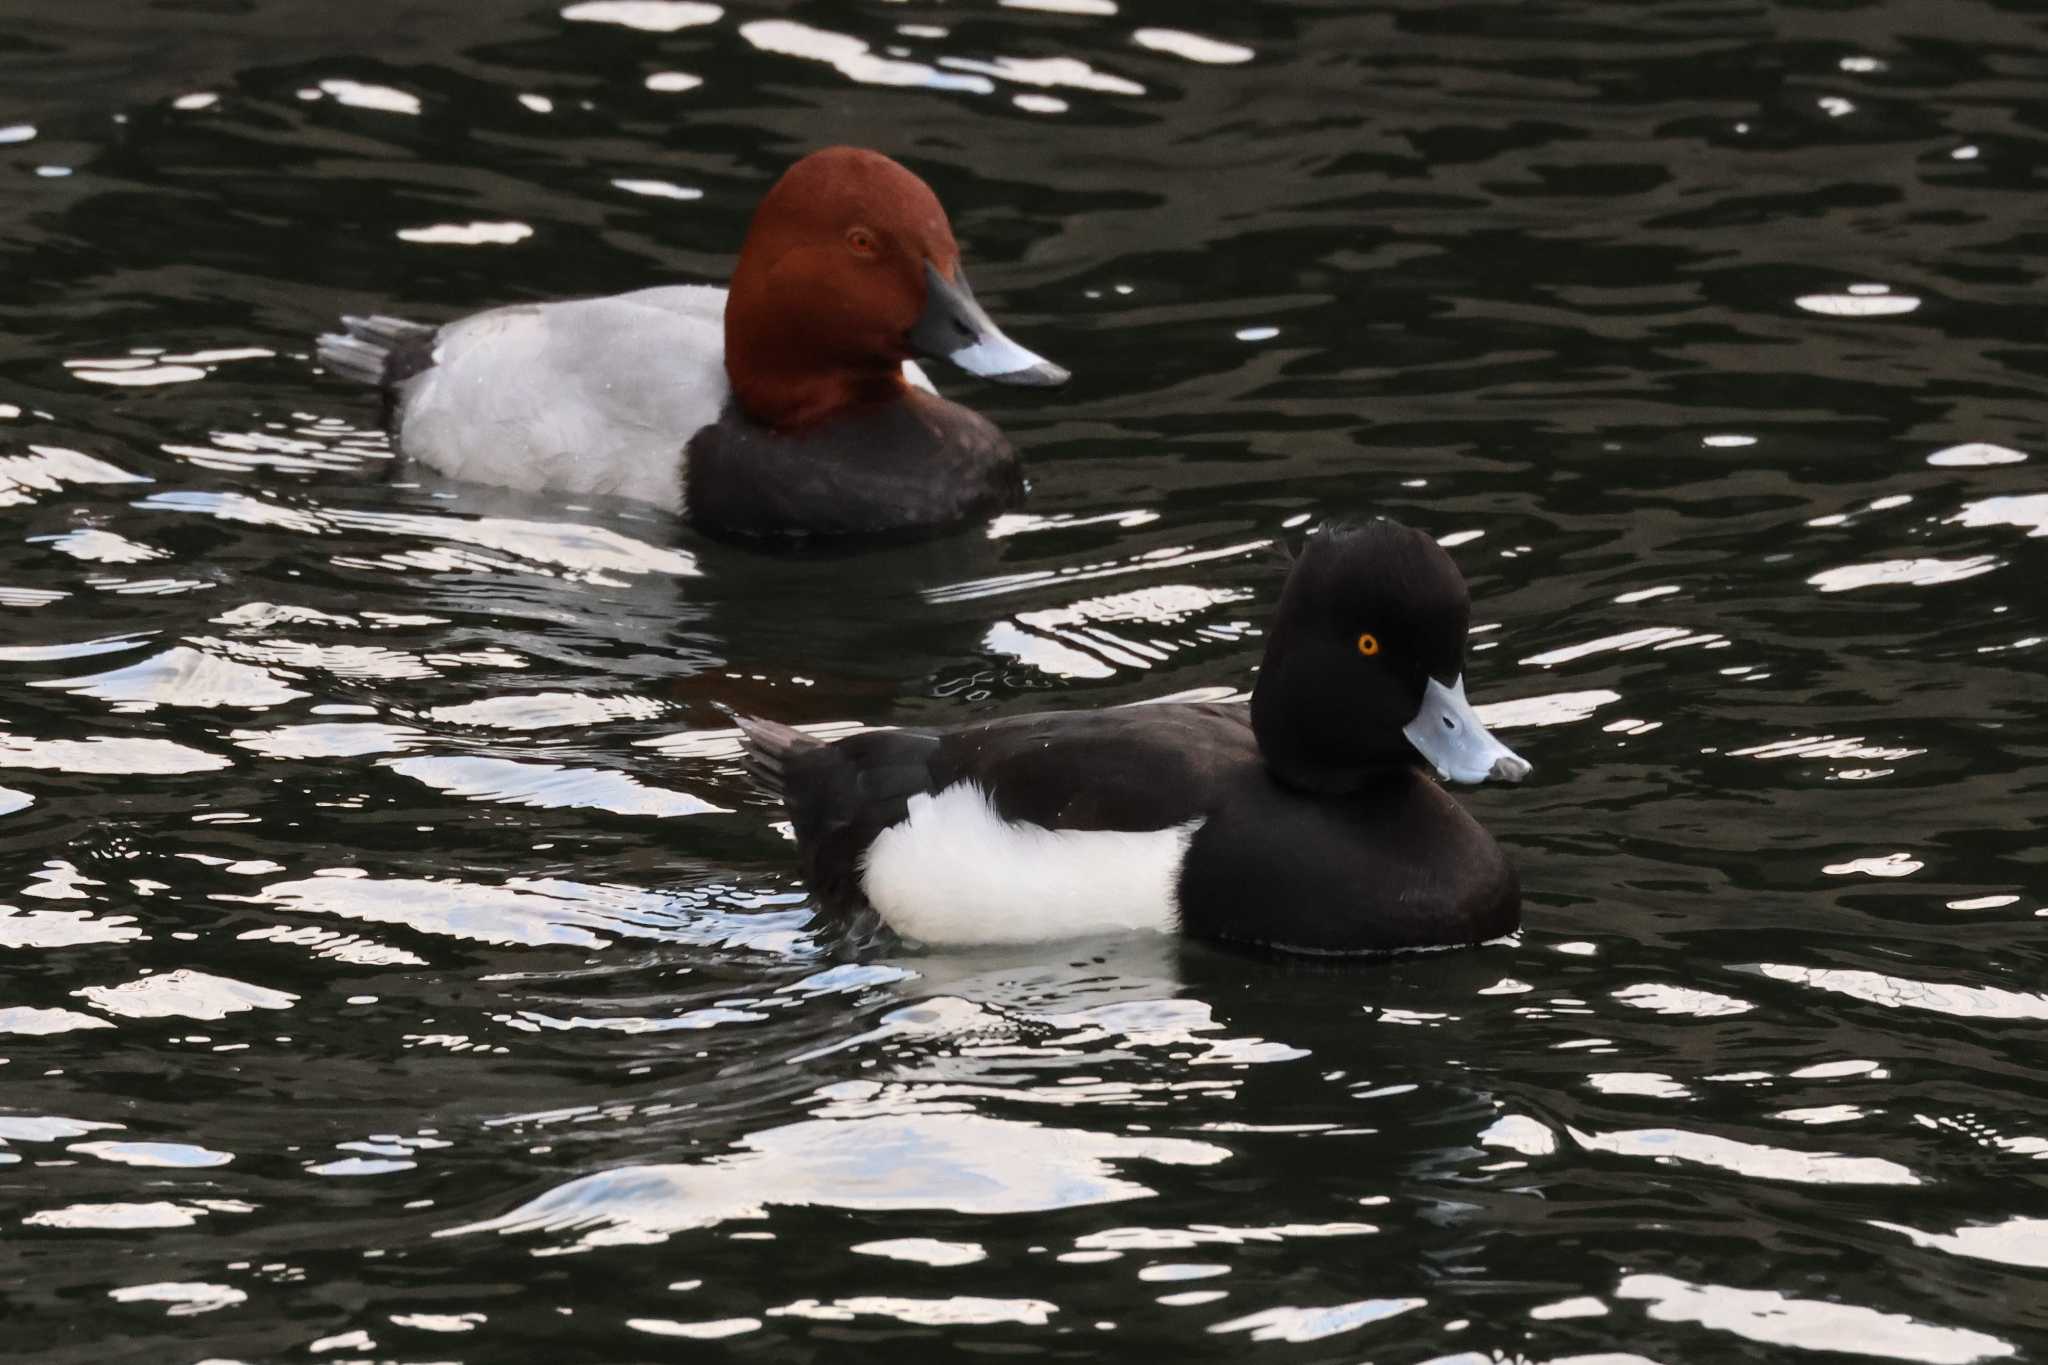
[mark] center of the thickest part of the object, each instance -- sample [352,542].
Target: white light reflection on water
[48,468]
[185,994]
[533,1021]
[852,58]
[1826,746]
[440,1322]
[184,1298]
[530,913]
[131,372]
[546,710]
[958,1311]
[1992,902]
[1127,1239]
[1556,708]
[181,676]
[472,233]
[1747,1158]
[1975,454]
[324,444]
[46,1127]
[1914,573]
[1192,46]
[1047,72]
[2017,1241]
[1897,992]
[1809,1324]
[1661,637]
[30,1019]
[1859,305]
[81,649]
[962,1163]
[1519,1133]
[658,189]
[1653,1085]
[364,95]
[716,1330]
[1885,865]
[28,597]
[1821,1115]
[587,553]
[923,1251]
[1171,1272]
[1011,1013]
[649,16]
[1073,641]
[330,740]
[96,546]
[1314,1324]
[172,1155]
[106,754]
[1664,998]
[63,928]
[1169,557]
[548,786]
[131,1217]
[2029,510]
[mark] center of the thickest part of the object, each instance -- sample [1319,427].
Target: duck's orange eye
[862,241]
[1368,645]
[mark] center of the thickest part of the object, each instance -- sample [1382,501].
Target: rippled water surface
[399,967]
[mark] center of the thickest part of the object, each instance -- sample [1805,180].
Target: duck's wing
[1131,768]
[589,396]
[586,396]
[1137,770]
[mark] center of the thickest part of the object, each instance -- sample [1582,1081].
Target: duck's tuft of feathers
[366,347]
[766,747]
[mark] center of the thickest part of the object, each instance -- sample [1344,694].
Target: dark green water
[399,968]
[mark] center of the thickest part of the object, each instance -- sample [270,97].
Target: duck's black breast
[907,464]
[1400,865]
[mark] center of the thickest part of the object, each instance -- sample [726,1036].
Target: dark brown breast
[918,462]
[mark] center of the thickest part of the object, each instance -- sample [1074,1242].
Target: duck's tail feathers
[377,350]
[767,746]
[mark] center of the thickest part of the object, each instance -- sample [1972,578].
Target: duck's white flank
[586,396]
[955,872]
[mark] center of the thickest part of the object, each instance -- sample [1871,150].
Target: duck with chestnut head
[788,404]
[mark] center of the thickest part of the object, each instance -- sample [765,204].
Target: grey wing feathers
[767,747]
[365,347]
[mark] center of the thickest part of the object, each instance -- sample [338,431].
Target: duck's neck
[788,358]
[785,394]
[1301,752]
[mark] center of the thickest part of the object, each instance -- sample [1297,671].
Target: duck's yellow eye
[1368,645]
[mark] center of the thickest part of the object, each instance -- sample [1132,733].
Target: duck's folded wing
[589,396]
[1131,768]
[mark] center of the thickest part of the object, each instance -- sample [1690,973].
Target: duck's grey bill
[955,328]
[1448,733]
